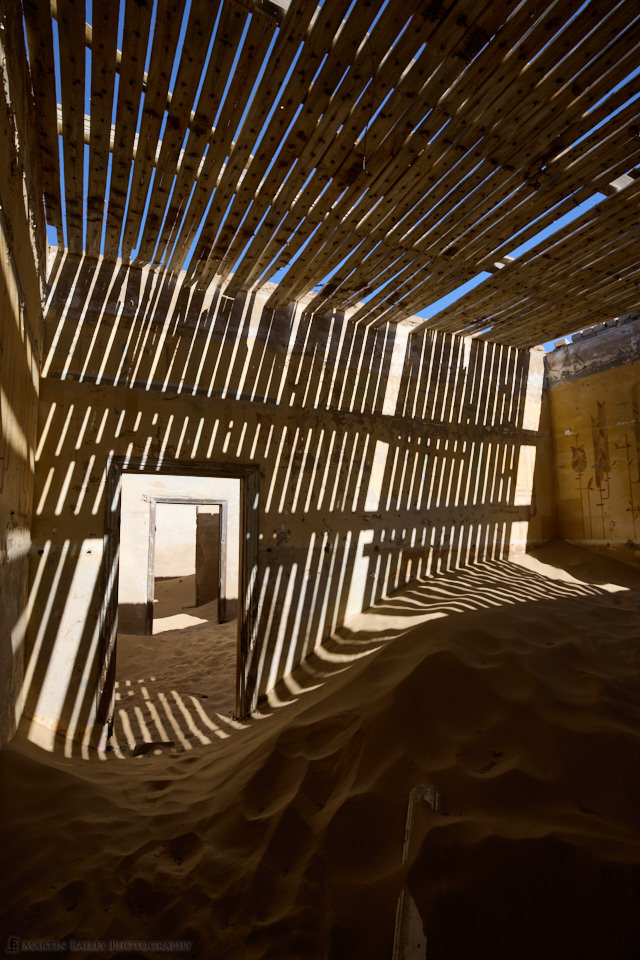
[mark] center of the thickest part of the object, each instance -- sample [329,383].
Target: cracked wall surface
[594,387]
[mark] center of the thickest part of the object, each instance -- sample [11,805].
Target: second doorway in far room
[187,561]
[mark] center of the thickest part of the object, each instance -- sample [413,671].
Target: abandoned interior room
[320,478]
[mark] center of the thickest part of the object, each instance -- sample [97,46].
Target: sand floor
[177,688]
[512,690]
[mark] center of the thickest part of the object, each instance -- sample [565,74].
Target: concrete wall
[594,387]
[543,524]
[21,277]
[382,457]
[134,537]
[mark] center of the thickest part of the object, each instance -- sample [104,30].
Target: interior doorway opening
[191,541]
[185,608]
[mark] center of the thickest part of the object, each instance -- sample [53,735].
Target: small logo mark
[13,945]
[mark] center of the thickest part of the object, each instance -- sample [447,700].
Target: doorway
[187,558]
[218,570]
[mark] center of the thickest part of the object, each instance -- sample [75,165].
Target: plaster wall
[542,525]
[594,386]
[175,548]
[21,269]
[383,457]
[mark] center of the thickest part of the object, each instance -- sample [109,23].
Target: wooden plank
[103,71]
[165,41]
[527,24]
[192,59]
[293,32]
[487,105]
[559,98]
[474,219]
[226,46]
[361,196]
[246,74]
[137,21]
[397,288]
[37,15]
[587,120]
[568,315]
[293,164]
[314,278]
[557,186]
[21,155]
[591,265]
[295,283]
[371,196]
[474,151]
[71,40]
[432,232]
[387,248]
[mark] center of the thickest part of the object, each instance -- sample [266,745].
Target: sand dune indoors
[512,689]
[324,314]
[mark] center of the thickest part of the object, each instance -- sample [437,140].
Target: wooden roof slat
[568,315]
[192,59]
[619,152]
[508,86]
[300,149]
[456,318]
[567,246]
[370,195]
[137,20]
[103,70]
[569,100]
[384,80]
[333,300]
[226,42]
[165,41]
[474,220]
[387,244]
[406,155]
[517,40]
[449,33]
[71,37]
[37,15]
[364,193]
[291,34]
[585,122]
[560,186]
[496,311]
[221,139]
[249,203]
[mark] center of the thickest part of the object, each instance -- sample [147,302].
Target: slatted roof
[372,155]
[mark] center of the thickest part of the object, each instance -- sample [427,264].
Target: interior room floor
[177,688]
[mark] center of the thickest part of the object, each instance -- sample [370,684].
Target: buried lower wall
[382,457]
[594,392]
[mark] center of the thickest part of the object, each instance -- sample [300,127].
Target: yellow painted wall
[20,337]
[595,411]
